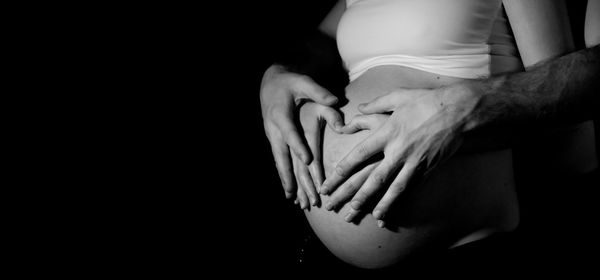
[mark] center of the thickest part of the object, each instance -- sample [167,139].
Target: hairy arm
[552,92]
[560,91]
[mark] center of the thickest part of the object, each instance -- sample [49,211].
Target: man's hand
[425,127]
[281,93]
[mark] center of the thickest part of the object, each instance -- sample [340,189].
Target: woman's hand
[312,118]
[281,93]
[425,127]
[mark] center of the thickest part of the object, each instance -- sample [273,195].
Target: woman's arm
[285,85]
[541,29]
[556,92]
[329,24]
[542,32]
[592,23]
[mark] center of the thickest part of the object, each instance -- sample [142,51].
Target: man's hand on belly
[425,128]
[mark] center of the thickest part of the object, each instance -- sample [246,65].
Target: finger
[291,136]
[396,188]
[351,215]
[309,186]
[281,154]
[313,138]
[349,188]
[333,118]
[364,122]
[374,183]
[300,193]
[305,181]
[311,90]
[303,200]
[316,173]
[381,104]
[359,154]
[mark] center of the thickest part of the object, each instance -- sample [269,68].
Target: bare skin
[557,92]
[552,92]
[281,94]
[568,84]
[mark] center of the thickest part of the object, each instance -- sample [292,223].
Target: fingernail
[313,201]
[305,158]
[355,204]
[332,99]
[323,189]
[288,195]
[295,201]
[377,214]
[328,206]
[361,106]
[380,223]
[338,125]
[348,217]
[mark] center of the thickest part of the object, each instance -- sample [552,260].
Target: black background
[189,182]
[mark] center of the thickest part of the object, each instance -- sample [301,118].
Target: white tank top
[459,38]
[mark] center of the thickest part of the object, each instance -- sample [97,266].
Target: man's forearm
[560,91]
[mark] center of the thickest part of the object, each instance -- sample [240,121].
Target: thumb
[333,118]
[311,90]
[364,122]
[381,104]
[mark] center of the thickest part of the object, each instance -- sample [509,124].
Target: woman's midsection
[465,194]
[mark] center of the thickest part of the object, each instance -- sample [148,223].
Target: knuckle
[294,146]
[379,177]
[340,170]
[301,81]
[360,196]
[288,138]
[276,113]
[362,151]
[398,188]
[349,187]
[305,79]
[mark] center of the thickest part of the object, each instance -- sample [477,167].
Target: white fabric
[448,37]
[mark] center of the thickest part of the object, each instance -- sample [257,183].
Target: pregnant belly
[466,196]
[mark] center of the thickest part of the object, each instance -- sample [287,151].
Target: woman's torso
[470,195]
[467,194]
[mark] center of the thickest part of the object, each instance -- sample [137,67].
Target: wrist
[468,100]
